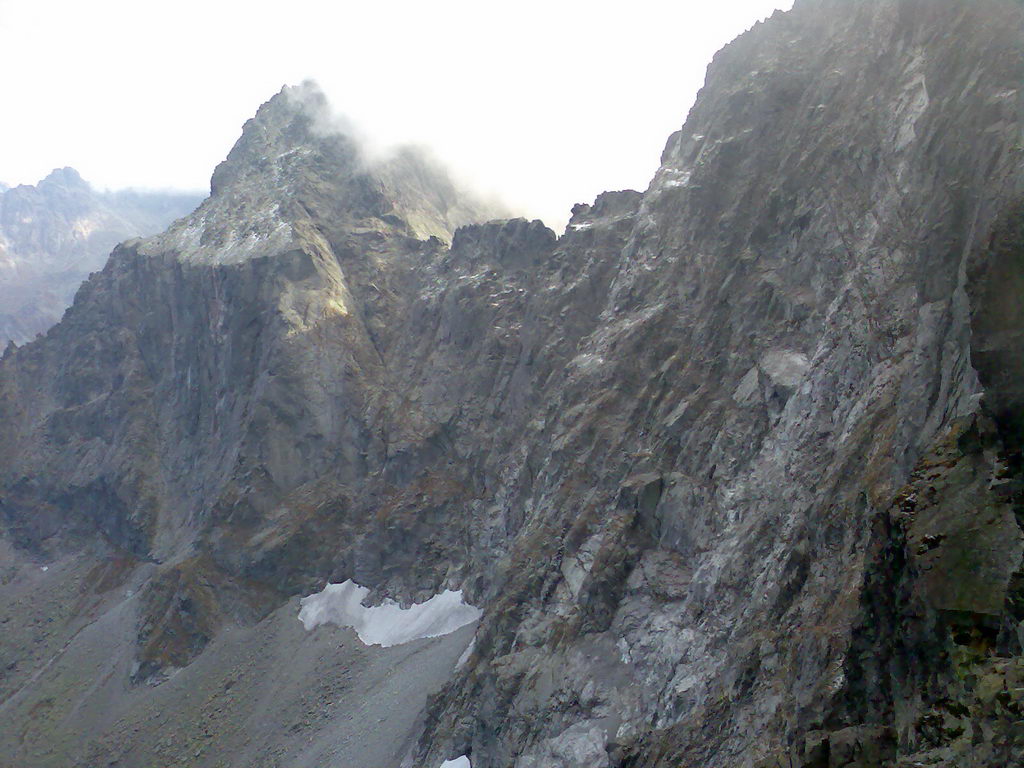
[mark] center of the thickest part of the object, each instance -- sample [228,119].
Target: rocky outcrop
[54,234]
[730,466]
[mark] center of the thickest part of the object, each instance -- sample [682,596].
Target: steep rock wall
[665,452]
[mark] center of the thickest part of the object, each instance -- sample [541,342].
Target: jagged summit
[295,121]
[64,177]
[297,160]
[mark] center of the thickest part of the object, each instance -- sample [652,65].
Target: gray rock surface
[54,234]
[732,466]
[263,695]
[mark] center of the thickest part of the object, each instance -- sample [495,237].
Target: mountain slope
[732,466]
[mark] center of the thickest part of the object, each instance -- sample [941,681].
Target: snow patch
[458,762]
[387,624]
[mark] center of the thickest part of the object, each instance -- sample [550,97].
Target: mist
[538,106]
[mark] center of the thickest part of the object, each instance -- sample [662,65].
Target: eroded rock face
[54,234]
[670,453]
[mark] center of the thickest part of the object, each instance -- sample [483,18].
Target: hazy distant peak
[53,234]
[64,177]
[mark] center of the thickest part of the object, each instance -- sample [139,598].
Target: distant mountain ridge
[54,233]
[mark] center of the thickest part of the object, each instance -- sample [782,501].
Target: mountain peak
[297,159]
[64,177]
[295,121]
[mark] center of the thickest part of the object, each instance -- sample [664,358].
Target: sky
[543,104]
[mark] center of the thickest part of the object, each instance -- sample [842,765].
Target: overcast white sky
[544,103]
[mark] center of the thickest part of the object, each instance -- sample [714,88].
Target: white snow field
[387,624]
[458,762]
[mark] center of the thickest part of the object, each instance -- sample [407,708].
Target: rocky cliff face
[732,466]
[54,234]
